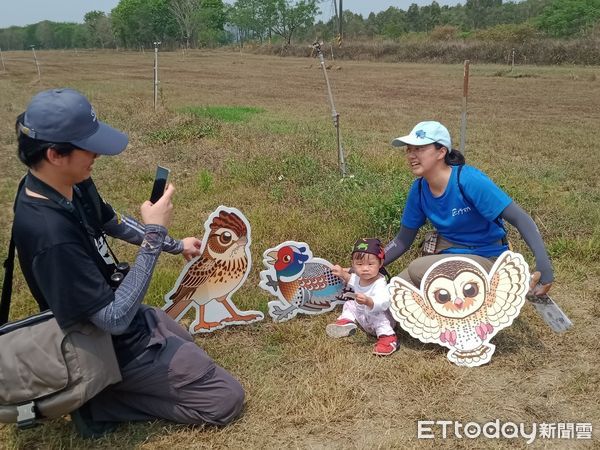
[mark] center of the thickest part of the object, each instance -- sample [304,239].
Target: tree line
[198,23]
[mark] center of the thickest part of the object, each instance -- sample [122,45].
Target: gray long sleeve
[117,315]
[400,244]
[517,217]
[130,230]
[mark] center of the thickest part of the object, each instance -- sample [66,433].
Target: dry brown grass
[533,131]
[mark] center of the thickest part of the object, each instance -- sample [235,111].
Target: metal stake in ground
[36,62]
[2,59]
[334,113]
[463,119]
[156,44]
[512,64]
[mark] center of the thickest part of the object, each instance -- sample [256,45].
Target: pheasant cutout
[208,281]
[460,306]
[301,283]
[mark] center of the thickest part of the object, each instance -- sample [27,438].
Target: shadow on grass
[519,337]
[60,433]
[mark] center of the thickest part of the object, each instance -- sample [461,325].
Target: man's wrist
[172,245]
[154,237]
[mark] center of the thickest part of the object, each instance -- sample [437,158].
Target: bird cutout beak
[242,241]
[459,302]
[271,257]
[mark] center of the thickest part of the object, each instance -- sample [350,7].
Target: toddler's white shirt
[377,290]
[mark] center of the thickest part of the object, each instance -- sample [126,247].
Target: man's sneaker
[341,328]
[86,427]
[386,345]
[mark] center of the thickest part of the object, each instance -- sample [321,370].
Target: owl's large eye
[225,238]
[470,290]
[441,296]
[287,259]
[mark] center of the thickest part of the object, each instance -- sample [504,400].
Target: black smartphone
[160,183]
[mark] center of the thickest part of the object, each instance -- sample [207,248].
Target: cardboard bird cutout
[460,306]
[208,281]
[301,283]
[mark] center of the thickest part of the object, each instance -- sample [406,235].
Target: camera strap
[91,208]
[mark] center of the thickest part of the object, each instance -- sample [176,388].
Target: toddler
[369,304]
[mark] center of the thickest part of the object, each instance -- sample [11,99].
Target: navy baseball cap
[65,115]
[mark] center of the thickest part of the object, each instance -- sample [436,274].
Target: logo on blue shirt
[460,211]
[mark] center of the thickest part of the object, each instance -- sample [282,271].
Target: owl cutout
[301,283]
[460,306]
[208,281]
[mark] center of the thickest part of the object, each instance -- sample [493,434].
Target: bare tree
[186,15]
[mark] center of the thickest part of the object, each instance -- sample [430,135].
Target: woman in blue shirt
[465,207]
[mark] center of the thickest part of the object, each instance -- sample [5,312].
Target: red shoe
[386,345]
[341,328]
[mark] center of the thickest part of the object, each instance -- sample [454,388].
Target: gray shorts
[416,269]
[173,379]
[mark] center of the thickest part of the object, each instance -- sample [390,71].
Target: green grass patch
[385,214]
[276,125]
[205,181]
[514,74]
[253,172]
[182,132]
[579,248]
[223,113]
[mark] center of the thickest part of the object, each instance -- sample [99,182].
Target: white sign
[460,306]
[208,281]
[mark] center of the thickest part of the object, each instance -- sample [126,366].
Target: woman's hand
[191,247]
[535,289]
[160,212]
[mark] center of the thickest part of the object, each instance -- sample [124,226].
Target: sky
[25,12]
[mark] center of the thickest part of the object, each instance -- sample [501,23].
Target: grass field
[255,132]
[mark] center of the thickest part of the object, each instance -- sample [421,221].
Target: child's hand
[362,299]
[341,272]
[337,270]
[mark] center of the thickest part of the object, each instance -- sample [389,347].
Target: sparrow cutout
[301,283]
[460,306]
[208,281]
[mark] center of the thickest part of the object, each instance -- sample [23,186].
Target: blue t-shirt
[468,223]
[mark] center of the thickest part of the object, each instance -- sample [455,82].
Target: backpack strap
[383,271]
[9,266]
[497,220]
